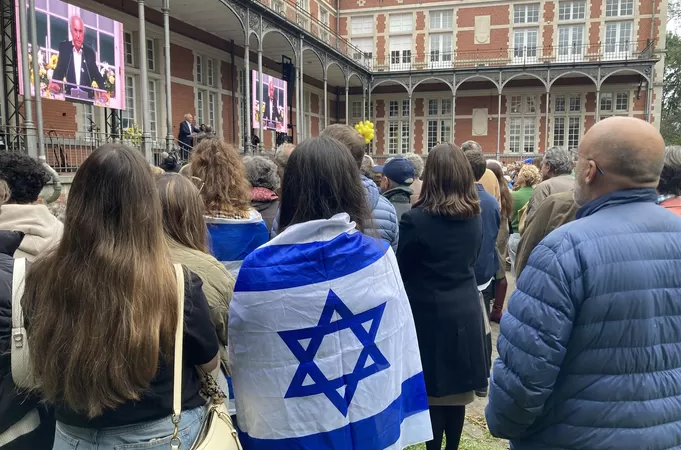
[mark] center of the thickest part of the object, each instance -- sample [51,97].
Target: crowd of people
[344,304]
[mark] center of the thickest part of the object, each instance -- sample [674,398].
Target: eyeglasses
[598,167]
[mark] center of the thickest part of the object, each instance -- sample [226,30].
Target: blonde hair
[225,189]
[5,192]
[102,304]
[529,175]
[183,211]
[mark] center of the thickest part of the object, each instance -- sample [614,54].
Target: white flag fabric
[323,347]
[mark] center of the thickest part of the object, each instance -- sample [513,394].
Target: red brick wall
[182,103]
[178,62]
[499,15]
[228,119]
[497,47]
[314,126]
[418,136]
[549,14]
[314,107]
[59,116]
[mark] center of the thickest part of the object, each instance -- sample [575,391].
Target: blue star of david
[307,366]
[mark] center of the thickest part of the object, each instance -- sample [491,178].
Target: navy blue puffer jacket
[590,350]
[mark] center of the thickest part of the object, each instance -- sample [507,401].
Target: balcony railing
[404,60]
[296,15]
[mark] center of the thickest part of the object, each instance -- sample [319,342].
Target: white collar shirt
[77,63]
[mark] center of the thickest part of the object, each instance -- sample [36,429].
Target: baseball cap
[529,161]
[399,170]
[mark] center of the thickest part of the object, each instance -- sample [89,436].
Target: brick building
[517,76]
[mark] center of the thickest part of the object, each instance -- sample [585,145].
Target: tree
[670,126]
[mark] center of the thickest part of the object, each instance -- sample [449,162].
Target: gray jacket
[400,197]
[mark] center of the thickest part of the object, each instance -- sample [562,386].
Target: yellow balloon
[367,140]
[357,127]
[371,136]
[370,125]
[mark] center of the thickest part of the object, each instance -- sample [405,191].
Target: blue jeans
[141,436]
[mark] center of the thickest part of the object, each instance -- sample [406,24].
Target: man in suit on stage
[272,105]
[186,134]
[77,65]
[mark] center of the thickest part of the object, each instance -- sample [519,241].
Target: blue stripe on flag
[234,241]
[372,433]
[289,266]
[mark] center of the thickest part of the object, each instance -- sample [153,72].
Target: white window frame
[324,20]
[438,122]
[153,108]
[567,108]
[210,72]
[151,55]
[398,121]
[401,23]
[525,52]
[198,68]
[401,52]
[302,20]
[441,51]
[571,11]
[522,109]
[129,48]
[570,43]
[524,14]
[356,110]
[614,99]
[441,20]
[365,47]
[618,44]
[620,8]
[362,25]
[128,118]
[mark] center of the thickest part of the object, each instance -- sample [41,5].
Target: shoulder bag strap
[21,373]
[177,364]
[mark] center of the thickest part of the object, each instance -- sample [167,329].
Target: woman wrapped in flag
[235,228]
[322,340]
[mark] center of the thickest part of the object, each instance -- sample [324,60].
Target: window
[199,69]
[567,120]
[526,13]
[365,49]
[522,124]
[618,40]
[616,8]
[151,51]
[400,52]
[128,114]
[401,23]
[441,20]
[152,108]
[525,45]
[129,49]
[212,103]
[571,10]
[278,7]
[362,25]
[324,19]
[614,104]
[210,72]
[399,127]
[199,107]
[439,123]
[303,6]
[88,117]
[440,51]
[570,43]
[356,110]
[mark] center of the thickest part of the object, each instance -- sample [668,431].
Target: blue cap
[528,161]
[399,170]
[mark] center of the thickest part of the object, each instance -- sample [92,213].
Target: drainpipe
[338,19]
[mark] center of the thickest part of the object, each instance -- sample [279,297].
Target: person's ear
[590,172]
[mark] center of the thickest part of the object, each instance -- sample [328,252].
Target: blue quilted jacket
[383,212]
[590,349]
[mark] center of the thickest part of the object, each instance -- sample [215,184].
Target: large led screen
[274,106]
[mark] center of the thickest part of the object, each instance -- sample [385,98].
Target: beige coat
[41,229]
[218,285]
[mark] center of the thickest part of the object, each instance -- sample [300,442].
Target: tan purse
[217,430]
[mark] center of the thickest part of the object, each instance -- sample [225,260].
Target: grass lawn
[467,443]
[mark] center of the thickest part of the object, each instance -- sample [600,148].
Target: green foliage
[670,126]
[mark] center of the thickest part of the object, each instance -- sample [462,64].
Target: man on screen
[77,66]
[272,105]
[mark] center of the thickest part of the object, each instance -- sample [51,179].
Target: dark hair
[448,184]
[349,137]
[183,211]
[170,162]
[477,161]
[670,178]
[24,175]
[321,180]
[506,196]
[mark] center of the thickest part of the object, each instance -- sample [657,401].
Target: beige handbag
[217,430]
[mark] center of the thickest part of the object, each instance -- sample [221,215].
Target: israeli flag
[233,239]
[323,346]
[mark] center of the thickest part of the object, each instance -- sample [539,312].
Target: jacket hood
[399,194]
[41,229]
[372,192]
[10,241]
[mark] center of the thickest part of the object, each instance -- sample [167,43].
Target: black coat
[13,405]
[66,69]
[437,257]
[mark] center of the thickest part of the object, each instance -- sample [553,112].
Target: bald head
[629,151]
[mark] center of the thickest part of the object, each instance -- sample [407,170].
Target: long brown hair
[506,196]
[183,211]
[448,184]
[101,306]
[225,189]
